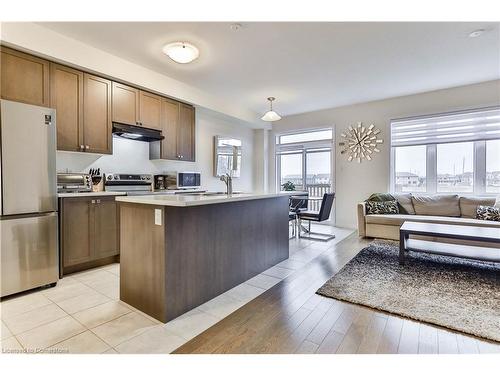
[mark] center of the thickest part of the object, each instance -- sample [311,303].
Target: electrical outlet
[157,216]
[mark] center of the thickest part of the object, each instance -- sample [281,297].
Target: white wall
[355,182]
[133,156]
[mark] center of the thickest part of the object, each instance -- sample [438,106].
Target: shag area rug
[459,294]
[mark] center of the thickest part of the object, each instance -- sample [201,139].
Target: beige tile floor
[83,313]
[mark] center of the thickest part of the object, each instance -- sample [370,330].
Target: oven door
[188,180]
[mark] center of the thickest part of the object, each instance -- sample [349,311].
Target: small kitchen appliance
[182,180]
[74,183]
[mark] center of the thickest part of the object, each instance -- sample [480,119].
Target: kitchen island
[177,252]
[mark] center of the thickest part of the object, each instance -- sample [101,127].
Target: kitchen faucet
[228,180]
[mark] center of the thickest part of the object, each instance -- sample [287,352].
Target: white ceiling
[306,66]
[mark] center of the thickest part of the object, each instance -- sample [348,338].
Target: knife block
[97,184]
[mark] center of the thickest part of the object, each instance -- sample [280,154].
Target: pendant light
[271,115]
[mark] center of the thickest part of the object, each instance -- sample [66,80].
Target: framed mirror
[227,156]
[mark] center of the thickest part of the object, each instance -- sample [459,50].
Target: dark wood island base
[173,259]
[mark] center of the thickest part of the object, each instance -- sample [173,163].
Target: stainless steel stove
[136,184]
[132,184]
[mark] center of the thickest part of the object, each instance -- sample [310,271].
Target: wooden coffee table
[460,232]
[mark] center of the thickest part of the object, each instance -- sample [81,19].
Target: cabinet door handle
[98,201]
[87,147]
[82,147]
[93,201]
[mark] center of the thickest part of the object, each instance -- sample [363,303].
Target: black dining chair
[317,216]
[297,203]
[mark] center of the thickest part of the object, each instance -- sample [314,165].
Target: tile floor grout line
[121,316]
[90,307]
[67,338]
[90,329]
[95,290]
[41,324]
[134,337]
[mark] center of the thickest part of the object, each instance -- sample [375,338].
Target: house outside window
[447,153]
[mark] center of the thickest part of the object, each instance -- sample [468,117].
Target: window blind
[473,125]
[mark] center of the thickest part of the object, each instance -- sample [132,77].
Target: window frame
[484,160]
[479,169]
[304,148]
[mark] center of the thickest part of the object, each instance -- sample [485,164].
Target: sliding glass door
[304,161]
[291,170]
[318,175]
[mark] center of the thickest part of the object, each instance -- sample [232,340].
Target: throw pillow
[387,207]
[385,197]
[488,213]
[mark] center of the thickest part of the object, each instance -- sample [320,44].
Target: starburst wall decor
[360,142]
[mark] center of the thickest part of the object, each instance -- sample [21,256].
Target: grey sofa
[442,209]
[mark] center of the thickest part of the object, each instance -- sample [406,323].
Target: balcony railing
[317,190]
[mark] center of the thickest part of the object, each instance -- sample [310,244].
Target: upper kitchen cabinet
[66,96]
[178,128]
[169,125]
[149,110]
[97,125]
[83,105]
[186,133]
[25,78]
[125,104]
[136,107]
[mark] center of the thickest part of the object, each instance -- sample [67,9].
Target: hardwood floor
[291,318]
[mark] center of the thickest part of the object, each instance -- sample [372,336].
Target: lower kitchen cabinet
[89,232]
[106,229]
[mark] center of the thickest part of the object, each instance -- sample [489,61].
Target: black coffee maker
[160,182]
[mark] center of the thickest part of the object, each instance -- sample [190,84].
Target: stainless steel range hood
[136,133]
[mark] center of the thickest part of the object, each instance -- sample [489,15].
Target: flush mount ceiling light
[271,115]
[235,26]
[181,52]
[476,33]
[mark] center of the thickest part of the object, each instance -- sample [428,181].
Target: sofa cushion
[488,213]
[436,205]
[468,205]
[387,207]
[405,202]
[398,220]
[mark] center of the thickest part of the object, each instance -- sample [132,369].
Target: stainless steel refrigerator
[28,222]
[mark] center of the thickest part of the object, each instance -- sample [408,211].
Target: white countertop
[90,194]
[194,200]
